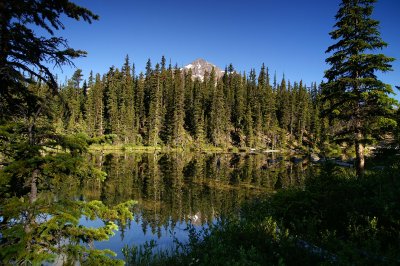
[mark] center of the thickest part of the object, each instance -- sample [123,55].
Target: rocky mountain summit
[200,66]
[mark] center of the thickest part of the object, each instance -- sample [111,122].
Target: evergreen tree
[189,102]
[357,98]
[238,108]
[292,107]
[113,102]
[283,105]
[73,96]
[198,113]
[316,115]
[154,119]
[167,105]
[179,111]
[218,117]
[127,115]
[23,54]
[269,121]
[248,127]
[139,97]
[209,83]
[163,61]
[302,112]
[98,95]
[35,228]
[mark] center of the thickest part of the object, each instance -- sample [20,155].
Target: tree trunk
[360,155]
[32,142]
[33,194]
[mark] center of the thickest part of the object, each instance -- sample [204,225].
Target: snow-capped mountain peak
[200,66]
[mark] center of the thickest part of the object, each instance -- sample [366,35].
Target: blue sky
[289,36]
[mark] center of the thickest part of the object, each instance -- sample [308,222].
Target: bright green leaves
[48,229]
[40,213]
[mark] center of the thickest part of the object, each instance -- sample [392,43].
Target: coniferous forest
[166,106]
[230,168]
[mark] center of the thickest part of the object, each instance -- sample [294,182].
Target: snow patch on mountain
[200,66]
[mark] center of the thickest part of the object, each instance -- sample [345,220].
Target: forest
[259,158]
[166,106]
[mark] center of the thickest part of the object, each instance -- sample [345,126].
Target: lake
[174,188]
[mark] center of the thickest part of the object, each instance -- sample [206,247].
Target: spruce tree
[302,111]
[283,105]
[154,119]
[179,111]
[218,117]
[316,115]
[127,114]
[168,105]
[198,113]
[292,107]
[189,102]
[98,94]
[248,127]
[24,54]
[73,97]
[113,102]
[140,105]
[238,108]
[357,97]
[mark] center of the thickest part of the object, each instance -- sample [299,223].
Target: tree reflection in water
[175,188]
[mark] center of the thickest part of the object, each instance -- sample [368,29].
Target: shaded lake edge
[300,226]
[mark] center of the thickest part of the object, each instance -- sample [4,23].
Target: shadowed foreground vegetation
[335,219]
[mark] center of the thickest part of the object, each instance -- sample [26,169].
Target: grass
[139,148]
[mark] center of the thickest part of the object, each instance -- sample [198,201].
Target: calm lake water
[174,188]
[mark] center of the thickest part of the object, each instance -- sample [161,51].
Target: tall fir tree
[154,119]
[218,117]
[178,132]
[238,109]
[357,97]
[140,106]
[128,114]
[198,113]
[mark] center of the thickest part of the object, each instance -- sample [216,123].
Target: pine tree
[283,105]
[218,117]
[316,122]
[267,96]
[166,132]
[198,113]
[127,114]
[238,108]
[302,112]
[179,110]
[73,96]
[113,102]
[189,102]
[98,94]
[209,83]
[23,54]
[248,126]
[357,98]
[154,119]
[141,119]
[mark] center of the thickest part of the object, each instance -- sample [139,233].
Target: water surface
[174,188]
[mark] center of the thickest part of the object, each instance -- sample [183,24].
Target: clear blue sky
[289,36]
